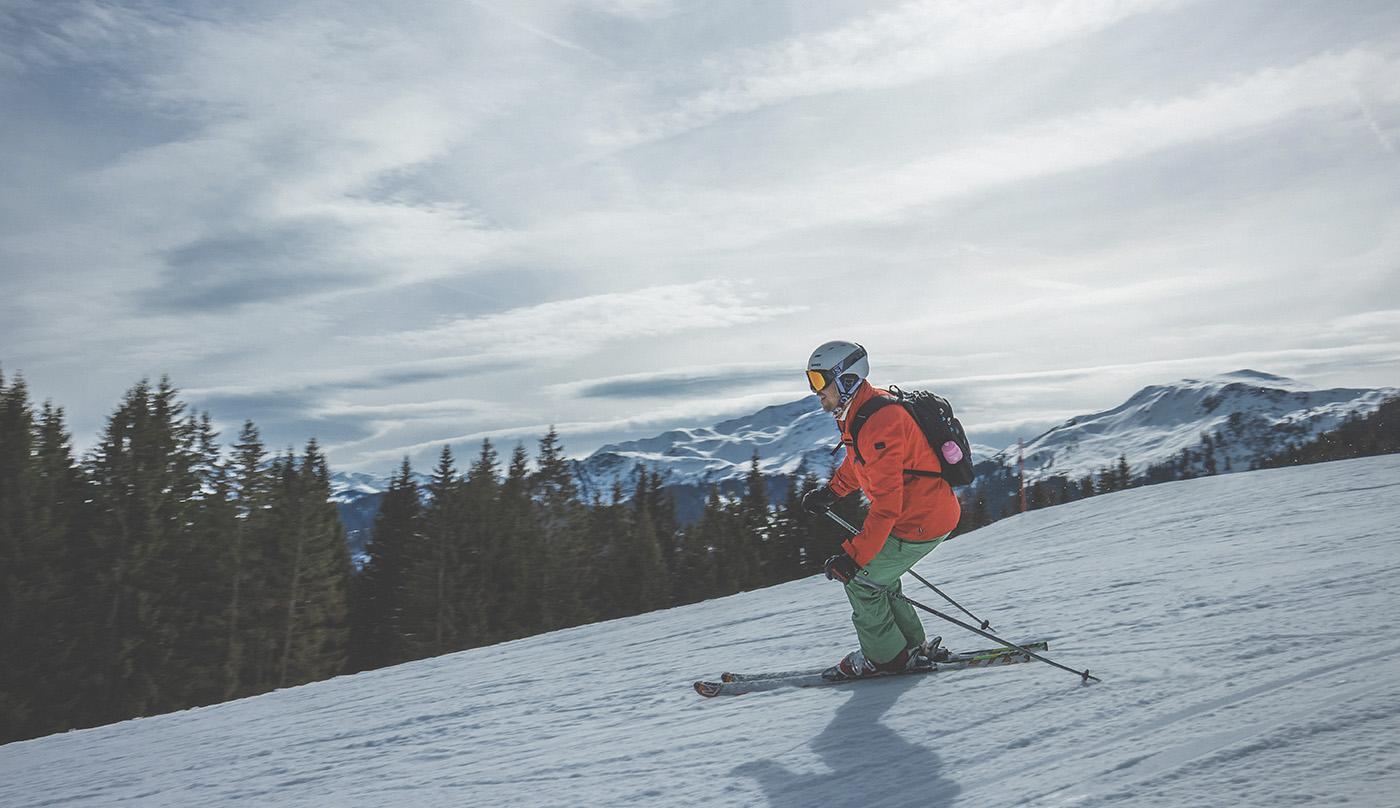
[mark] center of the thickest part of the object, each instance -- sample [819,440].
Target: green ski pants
[884,624]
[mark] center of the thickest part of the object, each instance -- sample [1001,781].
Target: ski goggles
[818,380]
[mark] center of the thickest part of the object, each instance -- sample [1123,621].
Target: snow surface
[1244,626]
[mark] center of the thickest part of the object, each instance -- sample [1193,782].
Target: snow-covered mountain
[1245,415]
[789,439]
[1255,413]
[1253,666]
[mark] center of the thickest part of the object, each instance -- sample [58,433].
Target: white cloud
[348,216]
[1091,139]
[911,43]
[566,329]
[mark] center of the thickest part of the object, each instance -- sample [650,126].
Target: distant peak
[1257,377]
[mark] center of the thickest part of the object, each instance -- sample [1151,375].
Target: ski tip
[708,689]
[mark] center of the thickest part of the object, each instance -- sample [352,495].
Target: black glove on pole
[819,500]
[841,567]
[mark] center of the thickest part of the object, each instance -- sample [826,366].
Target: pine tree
[66,666]
[755,517]
[44,609]
[567,566]
[144,469]
[632,577]
[201,562]
[315,563]
[445,567]
[791,532]
[735,554]
[490,577]
[249,610]
[521,558]
[614,586]
[378,608]
[660,505]
[979,515]
[695,576]
[20,568]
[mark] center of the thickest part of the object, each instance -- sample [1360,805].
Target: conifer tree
[735,553]
[632,577]
[614,588]
[378,607]
[785,560]
[493,578]
[803,540]
[199,587]
[146,484]
[67,665]
[695,575]
[18,711]
[45,647]
[250,613]
[979,515]
[522,566]
[566,564]
[653,519]
[755,517]
[445,567]
[315,563]
[660,505]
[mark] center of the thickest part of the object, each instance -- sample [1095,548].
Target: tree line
[158,573]
[493,554]
[163,571]
[1375,433]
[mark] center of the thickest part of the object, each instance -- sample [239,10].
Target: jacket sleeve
[884,447]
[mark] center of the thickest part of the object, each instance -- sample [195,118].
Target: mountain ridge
[1264,411]
[1221,423]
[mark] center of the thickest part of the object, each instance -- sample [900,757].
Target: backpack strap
[863,414]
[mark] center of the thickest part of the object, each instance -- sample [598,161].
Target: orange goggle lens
[818,380]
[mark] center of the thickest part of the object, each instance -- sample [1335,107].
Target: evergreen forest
[165,570]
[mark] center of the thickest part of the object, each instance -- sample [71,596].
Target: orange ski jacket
[912,507]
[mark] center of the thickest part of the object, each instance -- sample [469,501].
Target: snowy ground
[1245,627]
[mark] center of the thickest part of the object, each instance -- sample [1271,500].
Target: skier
[909,514]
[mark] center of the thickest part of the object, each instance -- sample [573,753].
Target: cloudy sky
[394,226]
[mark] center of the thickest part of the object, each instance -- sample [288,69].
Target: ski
[733,684]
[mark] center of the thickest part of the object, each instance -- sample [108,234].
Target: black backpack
[935,418]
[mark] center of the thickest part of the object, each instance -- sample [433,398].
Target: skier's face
[830,398]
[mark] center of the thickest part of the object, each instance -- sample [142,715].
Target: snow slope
[1245,627]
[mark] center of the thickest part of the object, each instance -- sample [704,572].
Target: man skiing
[910,514]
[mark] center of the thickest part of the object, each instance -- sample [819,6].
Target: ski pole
[1084,674]
[986,624]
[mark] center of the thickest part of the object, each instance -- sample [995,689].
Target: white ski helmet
[838,362]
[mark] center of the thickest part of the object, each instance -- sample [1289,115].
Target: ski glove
[841,567]
[819,500]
